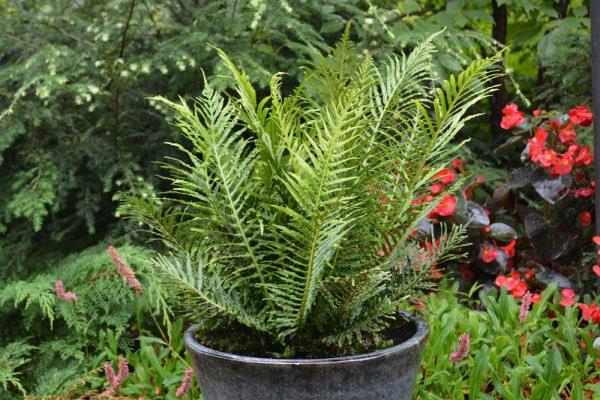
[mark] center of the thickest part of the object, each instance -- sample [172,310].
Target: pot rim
[415,341]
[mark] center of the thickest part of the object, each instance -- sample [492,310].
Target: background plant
[550,356]
[76,78]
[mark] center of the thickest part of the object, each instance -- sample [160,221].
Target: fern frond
[12,357]
[284,202]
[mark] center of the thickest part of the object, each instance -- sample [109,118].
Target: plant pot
[384,374]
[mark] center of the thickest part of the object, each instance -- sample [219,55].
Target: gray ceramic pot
[385,374]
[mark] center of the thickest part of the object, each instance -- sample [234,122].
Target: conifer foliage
[279,205]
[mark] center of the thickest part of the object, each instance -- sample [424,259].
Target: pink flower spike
[115,381]
[61,294]
[110,373]
[125,271]
[525,303]
[464,345]
[186,383]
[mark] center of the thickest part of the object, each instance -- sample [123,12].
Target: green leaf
[478,372]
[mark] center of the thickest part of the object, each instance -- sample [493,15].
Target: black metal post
[595,21]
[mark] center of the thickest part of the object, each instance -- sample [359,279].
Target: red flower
[562,165]
[596,240]
[537,112]
[457,164]
[584,157]
[519,290]
[436,188]
[509,249]
[529,273]
[583,192]
[547,158]
[445,207]
[596,269]
[585,218]
[446,176]
[567,135]
[513,284]
[536,297]
[509,282]
[541,135]
[581,116]
[488,253]
[567,297]
[590,312]
[511,117]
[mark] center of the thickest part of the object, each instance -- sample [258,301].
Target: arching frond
[289,218]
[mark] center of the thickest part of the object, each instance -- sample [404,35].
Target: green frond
[13,356]
[201,292]
[279,209]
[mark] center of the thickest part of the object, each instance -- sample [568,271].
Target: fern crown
[279,205]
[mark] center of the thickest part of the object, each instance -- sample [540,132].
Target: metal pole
[595,22]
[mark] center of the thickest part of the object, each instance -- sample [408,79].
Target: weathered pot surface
[383,374]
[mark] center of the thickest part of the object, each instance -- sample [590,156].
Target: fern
[65,334]
[271,224]
[13,356]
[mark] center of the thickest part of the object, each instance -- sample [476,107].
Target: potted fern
[288,226]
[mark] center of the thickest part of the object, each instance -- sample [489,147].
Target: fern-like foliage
[275,216]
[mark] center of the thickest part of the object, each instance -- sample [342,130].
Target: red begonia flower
[511,117]
[596,269]
[509,249]
[507,282]
[590,312]
[567,297]
[583,192]
[436,188]
[584,157]
[457,164]
[581,116]
[562,165]
[445,207]
[585,218]
[519,290]
[445,176]
[537,112]
[548,158]
[488,253]
[567,135]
